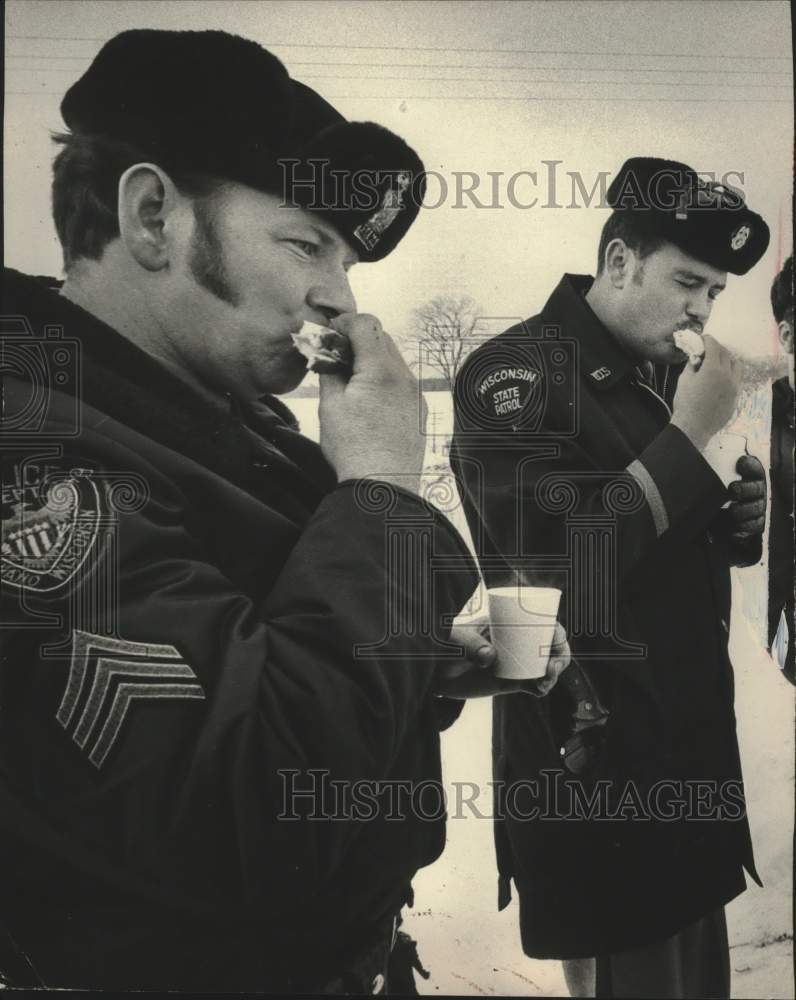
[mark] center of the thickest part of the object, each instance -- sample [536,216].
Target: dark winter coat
[572,476]
[194,623]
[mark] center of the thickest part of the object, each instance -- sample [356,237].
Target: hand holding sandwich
[705,398]
[372,422]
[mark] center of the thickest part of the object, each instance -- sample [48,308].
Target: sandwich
[327,351]
[692,344]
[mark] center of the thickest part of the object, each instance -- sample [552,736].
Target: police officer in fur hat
[207,710]
[585,451]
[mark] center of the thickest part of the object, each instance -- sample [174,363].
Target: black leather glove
[747,511]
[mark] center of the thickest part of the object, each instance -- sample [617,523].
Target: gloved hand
[747,510]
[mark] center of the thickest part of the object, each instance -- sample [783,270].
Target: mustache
[695,326]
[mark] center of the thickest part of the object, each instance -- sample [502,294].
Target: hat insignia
[682,207]
[739,237]
[369,233]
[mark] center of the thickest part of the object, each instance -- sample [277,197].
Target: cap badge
[739,237]
[370,232]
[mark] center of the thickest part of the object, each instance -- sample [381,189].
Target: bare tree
[443,334]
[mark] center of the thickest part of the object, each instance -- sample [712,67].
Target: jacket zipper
[652,392]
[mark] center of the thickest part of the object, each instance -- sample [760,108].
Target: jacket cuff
[680,487]
[447,710]
[375,504]
[391,496]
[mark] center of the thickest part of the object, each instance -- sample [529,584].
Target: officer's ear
[148,203]
[619,262]
[786,335]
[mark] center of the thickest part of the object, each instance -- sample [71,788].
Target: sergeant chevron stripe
[123,672]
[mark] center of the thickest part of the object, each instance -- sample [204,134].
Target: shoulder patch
[505,389]
[49,528]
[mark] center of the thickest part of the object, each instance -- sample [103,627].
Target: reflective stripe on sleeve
[652,496]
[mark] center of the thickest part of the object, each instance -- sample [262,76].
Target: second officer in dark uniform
[580,450]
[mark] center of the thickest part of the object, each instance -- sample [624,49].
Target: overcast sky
[474,87]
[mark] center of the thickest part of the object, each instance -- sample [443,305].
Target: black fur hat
[213,102]
[708,220]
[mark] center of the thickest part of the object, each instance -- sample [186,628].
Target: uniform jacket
[195,625]
[572,476]
[780,538]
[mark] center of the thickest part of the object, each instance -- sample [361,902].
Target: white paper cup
[723,452]
[522,622]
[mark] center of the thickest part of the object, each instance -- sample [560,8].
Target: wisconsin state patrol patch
[50,527]
[507,389]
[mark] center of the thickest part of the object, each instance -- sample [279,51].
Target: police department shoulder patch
[50,526]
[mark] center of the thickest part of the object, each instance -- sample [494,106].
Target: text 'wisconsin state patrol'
[507,400]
